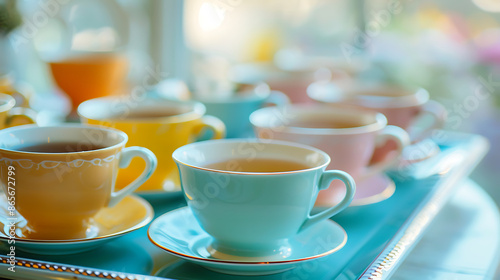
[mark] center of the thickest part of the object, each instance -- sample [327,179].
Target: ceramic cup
[349,135]
[292,82]
[403,107]
[235,110]
[159,125]
[58,193]
[254,214]
[10,116]
[292,73]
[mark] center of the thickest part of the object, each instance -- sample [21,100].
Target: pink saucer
[418,152]
[369,190]
[373,189]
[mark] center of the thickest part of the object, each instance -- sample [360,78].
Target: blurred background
[176,48]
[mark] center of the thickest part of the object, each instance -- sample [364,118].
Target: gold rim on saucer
[387,193]
[339,246]
[128,215]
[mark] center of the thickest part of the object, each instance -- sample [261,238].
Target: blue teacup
[235,110]
[252,196]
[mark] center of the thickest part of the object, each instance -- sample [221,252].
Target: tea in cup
[349,135]
[62,176]
[252,196]
[157,124]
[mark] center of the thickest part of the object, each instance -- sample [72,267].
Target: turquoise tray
[379,235]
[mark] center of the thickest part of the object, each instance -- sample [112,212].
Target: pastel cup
[296,73]
[402,106]
[59,193]
[11,115]
[292,82]
[249,214]
[407,108]
[349,135]
[235,110]
[157,124]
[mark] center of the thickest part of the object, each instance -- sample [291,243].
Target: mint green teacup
[252,196]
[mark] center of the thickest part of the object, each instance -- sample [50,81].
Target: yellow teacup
[60,177]
[159,125]
[10,116]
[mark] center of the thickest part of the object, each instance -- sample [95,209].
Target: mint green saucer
[179,234]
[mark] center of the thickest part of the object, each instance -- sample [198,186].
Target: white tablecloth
[462,243]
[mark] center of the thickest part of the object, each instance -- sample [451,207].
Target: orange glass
[90,76]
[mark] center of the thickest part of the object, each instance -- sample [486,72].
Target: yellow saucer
[128,215]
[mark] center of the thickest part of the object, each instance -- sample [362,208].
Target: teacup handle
[398,135]
[437,112]
[126,157]
[20,113]
[216,125]
[277,98]
[325,181]
[20,96]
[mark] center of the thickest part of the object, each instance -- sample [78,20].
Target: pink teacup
[349,135]
[292,81]
[402,106]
